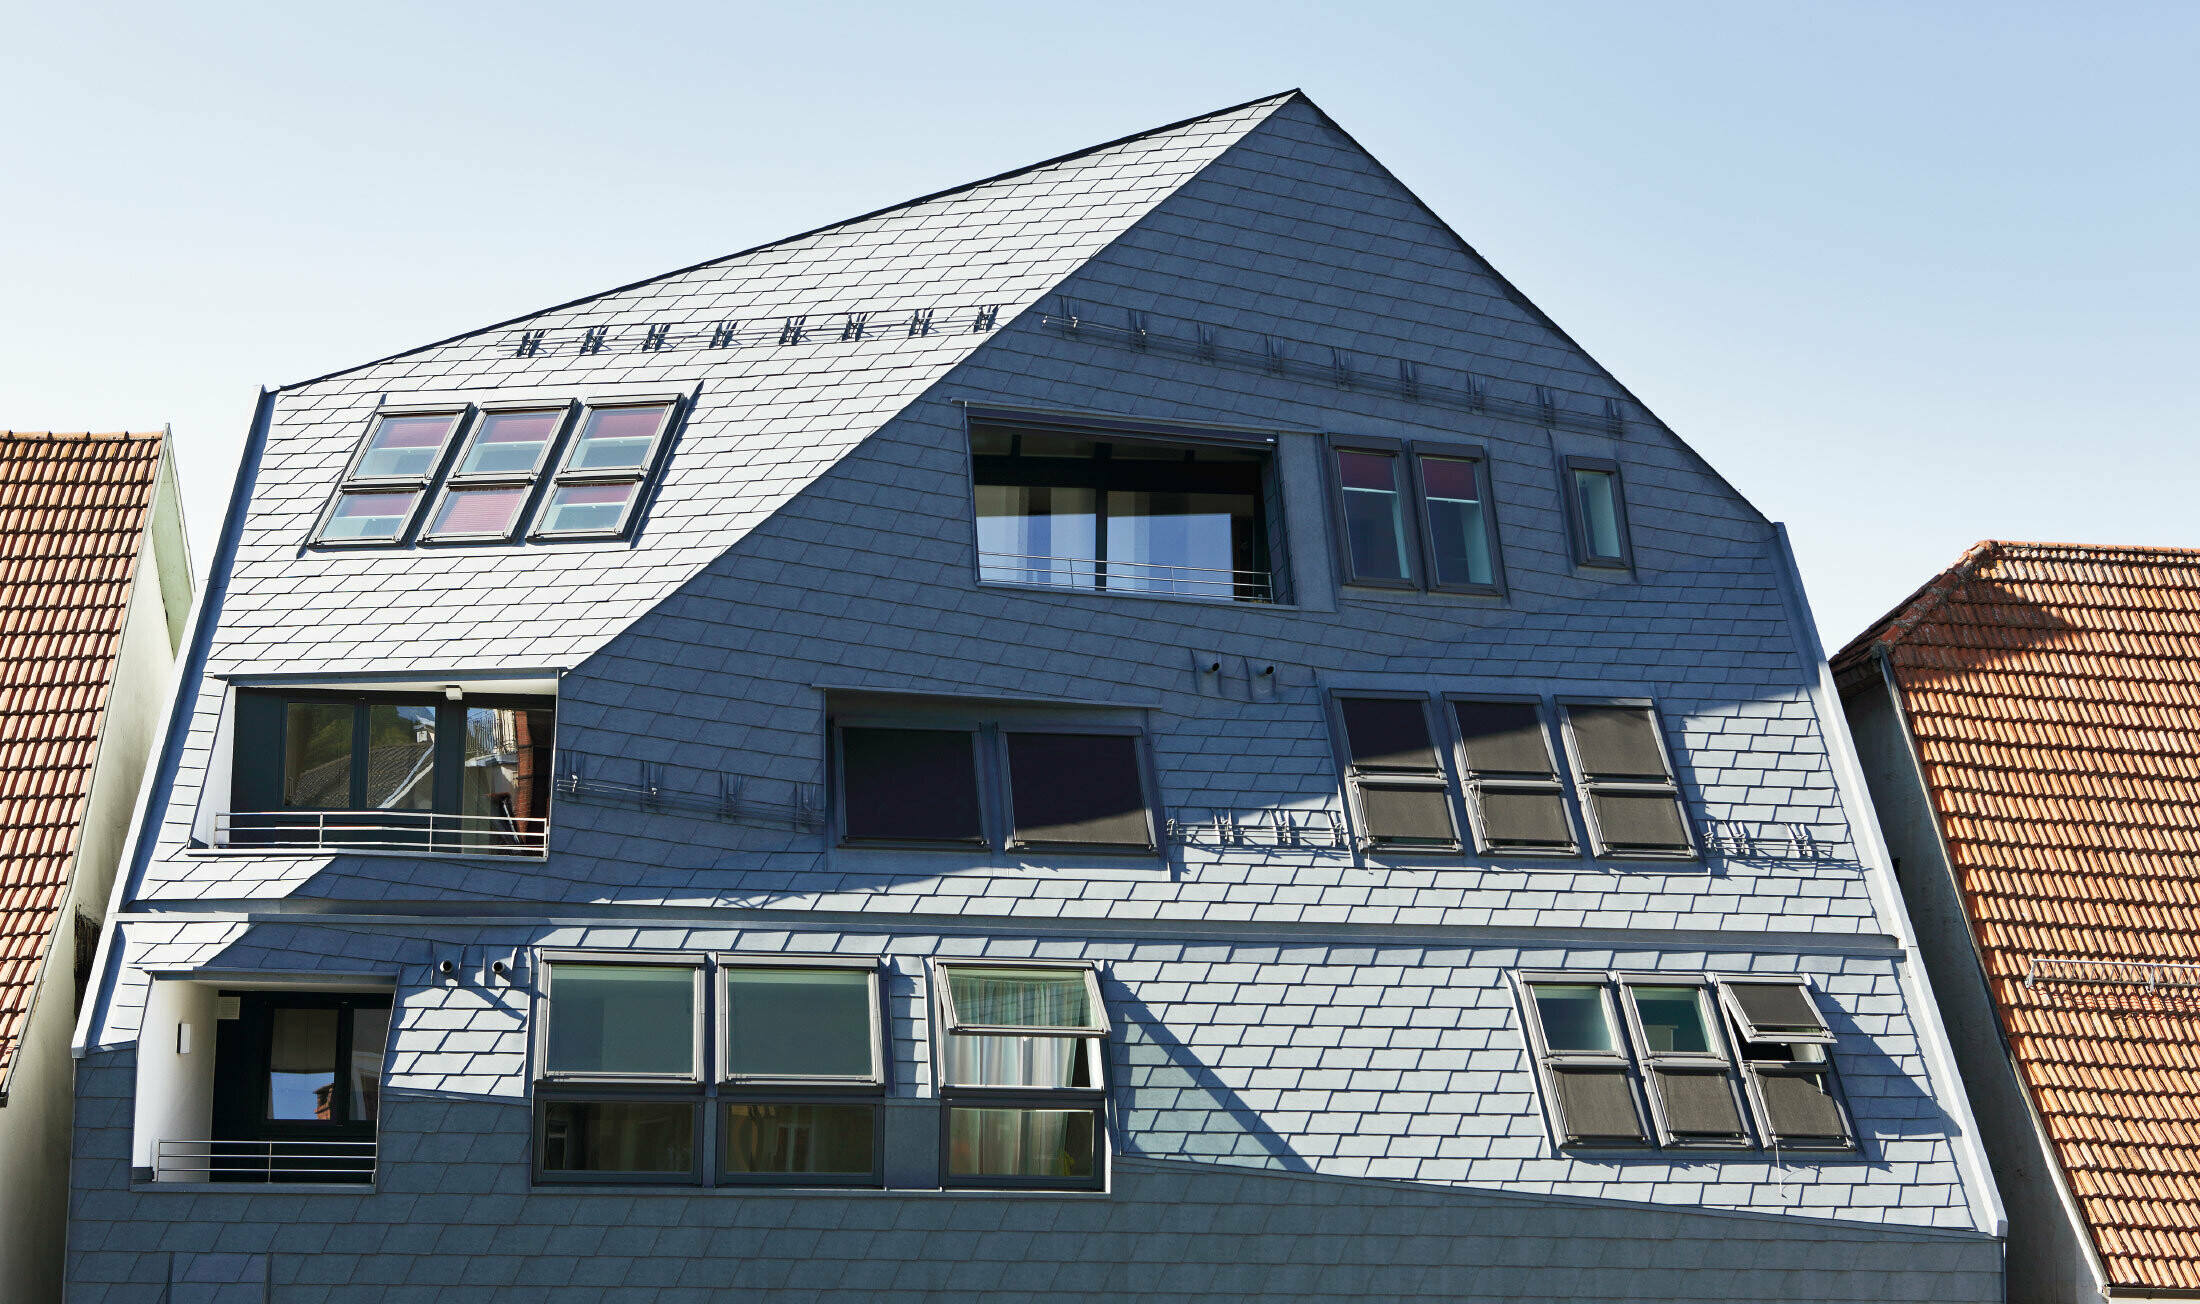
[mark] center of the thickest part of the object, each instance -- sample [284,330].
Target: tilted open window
[1514,794]
[804,1073]
[1396,779]
[1022,1060]
[1628,791]
[1785,1048]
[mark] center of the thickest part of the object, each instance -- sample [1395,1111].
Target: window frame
[1355,776]
[1754,1070]
[1720,1058]
[1472,784]
[1747,1026]
[1584,556]
[1141,761]
[1093,1044]
[1587,785]
[351,482]
[867,1092]
[529,480]
[839,783]
[615,1094]
[1432,579]
[1405,481]
[728,962]
[1547,1060]
[642,475]
[544,1004]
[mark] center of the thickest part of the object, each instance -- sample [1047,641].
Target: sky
[1910,276]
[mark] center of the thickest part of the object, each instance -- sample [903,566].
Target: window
[1514,795]
[1099,511]
[495,474]
[1584,1065]
[1628,792]
[1396,781]
[1074,788]
[297,1088]
[391,772]
[1598,511]
[606,464]
[610,450]
[1691,1080]
[619,1058]
[1023,1093]
[1443,538]
[1707,1081]
[382,489]
[1784,1044]
[804,1074]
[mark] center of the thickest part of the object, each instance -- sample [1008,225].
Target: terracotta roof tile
[72,512]
[2053,691]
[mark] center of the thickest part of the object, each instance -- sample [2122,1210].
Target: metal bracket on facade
[723,797]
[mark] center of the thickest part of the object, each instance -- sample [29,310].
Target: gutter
[159,781]
[1871,845]
[2053,1161]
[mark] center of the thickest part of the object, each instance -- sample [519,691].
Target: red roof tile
[2053,691]
[72,513]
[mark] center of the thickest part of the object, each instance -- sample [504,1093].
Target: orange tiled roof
[2054,694]
[72,512]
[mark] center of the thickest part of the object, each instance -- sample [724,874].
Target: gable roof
[2053,695]
[73,512]
[769,420]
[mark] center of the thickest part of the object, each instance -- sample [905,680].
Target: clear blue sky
[1910,275]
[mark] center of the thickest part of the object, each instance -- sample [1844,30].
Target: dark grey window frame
[643,476]
[546,1094]
[1755,1069]
[1095,1099]
[868,1091]
[1418,449]
[1718,1060]
[987,820]
[1473,782]
[1355,775]
[1578,525]
[422,486]
[1410,551]
[530,480]
[619,1088]
[1587,785]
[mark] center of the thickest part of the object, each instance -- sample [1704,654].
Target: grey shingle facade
[1319,1081]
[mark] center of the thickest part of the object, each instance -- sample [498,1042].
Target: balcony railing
[383,830]
[264,1161]
[1111,576]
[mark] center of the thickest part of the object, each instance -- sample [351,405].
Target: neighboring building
[2029,723]
[95,586]
[1144,728]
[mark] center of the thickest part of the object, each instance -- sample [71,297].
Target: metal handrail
[187,1161]
[1138,576]
[383,830]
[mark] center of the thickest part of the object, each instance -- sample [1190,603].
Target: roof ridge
[81,436]
[2178,556]
[1907,614]
[1278,99]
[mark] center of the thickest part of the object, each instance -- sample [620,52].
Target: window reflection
[505,774]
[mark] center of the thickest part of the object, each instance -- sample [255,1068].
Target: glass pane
[1597,1105]
[1617,741]
[1573,1017]
[478,511]
[1458,535]
[317,754]
[997,1061]
[1037,534]
[1078,789]
[1021,998]
[1036,1143]
[828,1140]
[404,446]
[1524,817]
[509,443]
[1374,525]
[1503,737]
[1800,1106]
[370,1035]
[371,515]
[400,757]
[301,1064]
[622,1018]
[910,785]
[1598,499]
[1387,733]
[1673,1021]
[1640,821]
[504,784]
[1192,544]
[614,439]
[1698,1103]
[798,1022]
[1401,816]
[586,508]
[603,1136]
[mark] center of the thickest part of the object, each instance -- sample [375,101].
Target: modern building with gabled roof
[2029,723]
[95,586]
[1144,728]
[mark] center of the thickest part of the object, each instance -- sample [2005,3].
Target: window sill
[1122,595]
